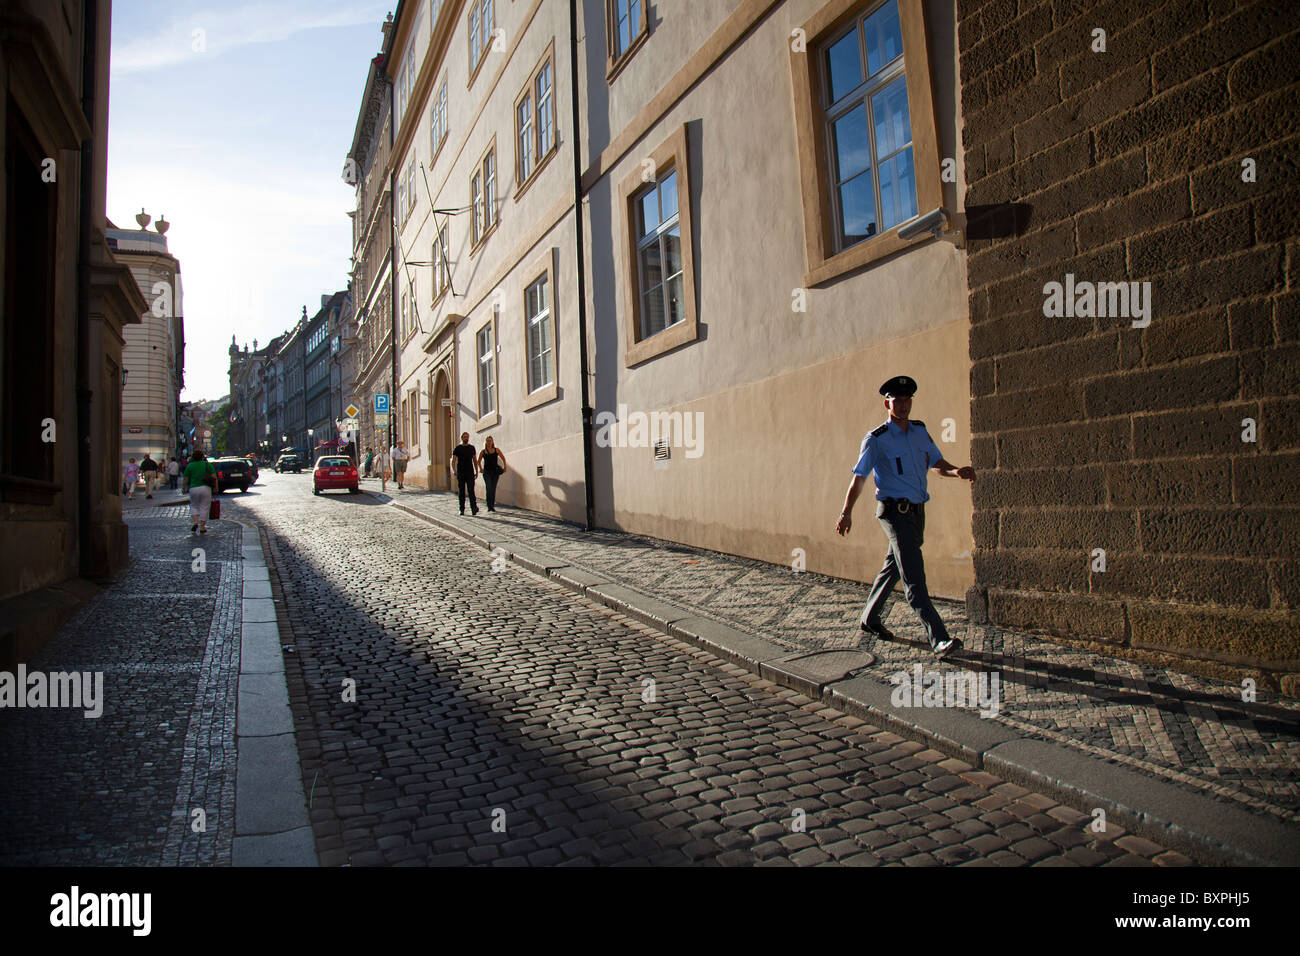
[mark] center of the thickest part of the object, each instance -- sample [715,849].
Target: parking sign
[381,403]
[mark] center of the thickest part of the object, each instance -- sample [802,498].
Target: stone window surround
[671,155]
[542,266]
[823,263]
[614,63]
[478,170]
[539,160]
[493,417]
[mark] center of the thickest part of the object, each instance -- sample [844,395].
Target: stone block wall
[1174,446]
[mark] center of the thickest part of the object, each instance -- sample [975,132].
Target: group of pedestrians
[151,472]
[466,462]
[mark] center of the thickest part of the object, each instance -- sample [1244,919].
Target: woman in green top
[196,474]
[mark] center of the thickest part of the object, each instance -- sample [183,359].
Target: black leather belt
[903,505]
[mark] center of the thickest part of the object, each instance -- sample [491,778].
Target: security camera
[933,222]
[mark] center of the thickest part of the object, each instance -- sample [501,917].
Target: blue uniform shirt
[898,461]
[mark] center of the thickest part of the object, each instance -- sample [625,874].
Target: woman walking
[492,462]
[130,475]
[199,480]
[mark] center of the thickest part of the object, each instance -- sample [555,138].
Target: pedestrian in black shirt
[492,462]
[465,464]
[149,472]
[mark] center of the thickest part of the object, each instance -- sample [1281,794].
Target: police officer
[897,455]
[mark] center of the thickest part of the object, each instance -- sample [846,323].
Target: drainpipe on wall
[89,29]
[587,410]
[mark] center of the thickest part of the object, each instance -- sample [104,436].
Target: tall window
[487,385]
[868,127]
[545,116]
[403,320]
[406,77]
[659,256]
[441,268]
[524,119]
[627,24]
[537,310]
[476,200]
[626,30]
[438,121]
[481,23]
[483,196]
[535,119]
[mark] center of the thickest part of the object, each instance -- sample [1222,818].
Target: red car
[334,471]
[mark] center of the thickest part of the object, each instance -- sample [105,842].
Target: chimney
[388,27]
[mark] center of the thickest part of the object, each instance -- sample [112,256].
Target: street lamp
[311,448]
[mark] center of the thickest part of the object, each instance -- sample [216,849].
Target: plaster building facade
[759,361]
[66,306]
[701,360]
[366,167]
[154,356]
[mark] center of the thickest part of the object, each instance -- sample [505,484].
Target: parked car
[289,463]
[252,470]
[334,471]
[231,473]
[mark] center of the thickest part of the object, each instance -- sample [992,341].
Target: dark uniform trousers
[906,533]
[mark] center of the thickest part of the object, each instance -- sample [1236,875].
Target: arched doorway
[441,421]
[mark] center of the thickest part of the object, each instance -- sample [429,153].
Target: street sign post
[381,419]
[352,412]
[381,403]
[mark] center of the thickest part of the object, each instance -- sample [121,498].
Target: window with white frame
[438,120]
[441,267]
[626,29]
[481,22]
[524,122]
[408,188]
[406,78]
[487,385]
[537,311]
[483,196]
[404,322]
[867,125]
[659,255]
[535,119]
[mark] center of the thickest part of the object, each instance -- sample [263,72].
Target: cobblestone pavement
[500,719]
[119,789]
[1188,730]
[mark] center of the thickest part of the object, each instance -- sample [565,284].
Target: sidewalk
[1168,755]
[195,715]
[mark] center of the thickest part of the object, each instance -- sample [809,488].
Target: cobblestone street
[499,718]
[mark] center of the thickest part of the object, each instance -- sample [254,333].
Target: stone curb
[1207,830]
[272,827]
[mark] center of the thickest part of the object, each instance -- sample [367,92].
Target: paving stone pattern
[486,697]
[118,790]
[1174,726]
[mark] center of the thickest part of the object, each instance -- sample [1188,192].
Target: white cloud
[213,32]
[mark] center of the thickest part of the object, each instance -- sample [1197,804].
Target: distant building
[61,338]
[372,324]
[321,348]
[154,354]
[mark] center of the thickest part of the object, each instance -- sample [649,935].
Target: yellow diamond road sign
[352,411]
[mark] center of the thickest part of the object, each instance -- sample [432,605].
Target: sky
[237,134]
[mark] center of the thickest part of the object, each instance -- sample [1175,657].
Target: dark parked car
[289,463]
[252,470]
[232,473]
